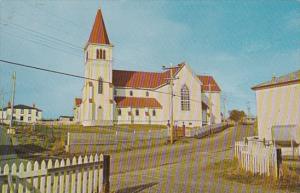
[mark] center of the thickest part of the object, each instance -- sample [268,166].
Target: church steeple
[98,34]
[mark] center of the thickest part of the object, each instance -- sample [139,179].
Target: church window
[98,54]
[119,112]
[154,113]
[131,93]
[185,98]
[115,92]
[137,112]
[104,55]
[100,86]
[147,93]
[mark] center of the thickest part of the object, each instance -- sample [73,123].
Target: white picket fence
[77,175]
[257,157]
[205,130]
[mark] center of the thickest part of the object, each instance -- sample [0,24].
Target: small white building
[278,108]
[21,114]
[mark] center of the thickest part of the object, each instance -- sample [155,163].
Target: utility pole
[12,99]
[171,79]
[210,104]
[2,104]
[224,106]
[248,109]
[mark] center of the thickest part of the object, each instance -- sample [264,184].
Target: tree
[237,115]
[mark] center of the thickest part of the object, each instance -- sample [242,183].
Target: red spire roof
[99,34]
[209,84]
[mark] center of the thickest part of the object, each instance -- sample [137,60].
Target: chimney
[33,105]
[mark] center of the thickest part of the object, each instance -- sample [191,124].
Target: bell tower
[97,93]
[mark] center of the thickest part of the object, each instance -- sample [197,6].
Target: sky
[239,43]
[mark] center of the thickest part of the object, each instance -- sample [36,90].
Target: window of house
[22,111]
[29,111]
[185,98]
[119,112]
[137,112]
[100,86]
[153,113]
[21,118]
[131,93]
[37,113]
[147,93]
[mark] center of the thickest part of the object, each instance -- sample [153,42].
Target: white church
[112,97]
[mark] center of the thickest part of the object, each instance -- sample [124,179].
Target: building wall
[189,118]
[97,108]
[215,113]
[277,106]
[28,115]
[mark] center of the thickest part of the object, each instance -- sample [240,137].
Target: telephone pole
[210,105]
[12,99]
[224,106]
[171,79]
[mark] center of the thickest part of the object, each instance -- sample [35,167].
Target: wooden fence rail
[258,157]
[77,175]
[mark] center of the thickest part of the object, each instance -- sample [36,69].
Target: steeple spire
[98,34]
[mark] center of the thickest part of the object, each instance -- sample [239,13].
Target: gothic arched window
[185,98]
[100,86]
[104,55]
[97,54]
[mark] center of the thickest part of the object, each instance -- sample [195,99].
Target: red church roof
[134,79]
[209,81]
[137,102]
[98,34]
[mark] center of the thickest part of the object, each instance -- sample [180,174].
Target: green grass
[230,170]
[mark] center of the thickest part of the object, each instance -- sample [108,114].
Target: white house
[134,97]
[278,108]
[21,114]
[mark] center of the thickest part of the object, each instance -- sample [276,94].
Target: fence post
[106,168]
[278,163]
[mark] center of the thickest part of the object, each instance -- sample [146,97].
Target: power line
[82,77]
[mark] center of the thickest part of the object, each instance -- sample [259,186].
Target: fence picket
[73,176]
[43,178]
[5,171]
[95,179]
[49,178]
[67,177]
[21,172]
[36,179]
[90,177]
[13,173]
[79,176]
[29,180]
[84,176]
[61,183]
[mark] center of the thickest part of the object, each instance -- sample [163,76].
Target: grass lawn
[230,170]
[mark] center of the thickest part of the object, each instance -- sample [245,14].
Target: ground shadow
[136,189]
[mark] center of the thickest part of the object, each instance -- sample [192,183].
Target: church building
[112,97]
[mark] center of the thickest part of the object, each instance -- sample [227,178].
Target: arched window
[97,54]
[104,55]
[101,54]
[185,98]
[100,86]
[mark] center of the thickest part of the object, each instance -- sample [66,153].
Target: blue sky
[240,43]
